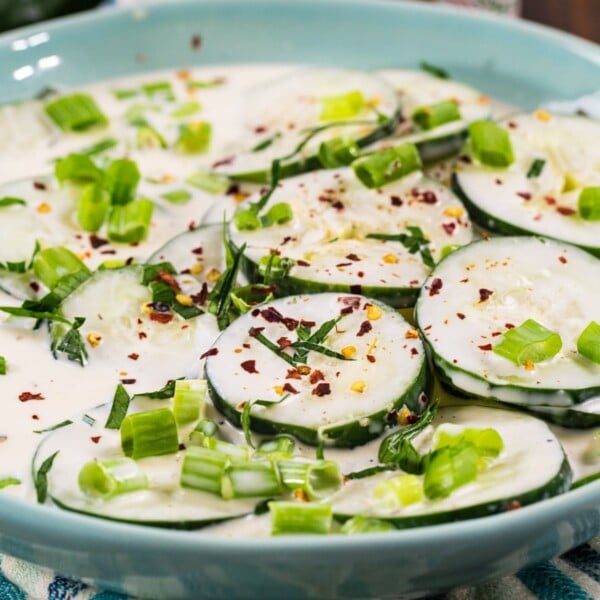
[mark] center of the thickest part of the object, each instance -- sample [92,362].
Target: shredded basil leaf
[164,393]
[433,70]
[70,342]
[118,410]
[11,201]
[414,241]
[537,166]
[54,427]
[41,478]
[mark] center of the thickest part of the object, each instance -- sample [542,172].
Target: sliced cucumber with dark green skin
[532,466]
[327,399]
[480,291]
[517,199]
[583,451]
[164,504]
[327,237]
[417,89]
[281,114]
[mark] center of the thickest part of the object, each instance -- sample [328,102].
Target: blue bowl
[519,63]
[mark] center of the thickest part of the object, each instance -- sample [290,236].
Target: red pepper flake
[39,185]
[271,315]
[129,261]
[549,200]
[284,342]
[361,273]
[198,251]
[562,259]
[428,197]
[525,195]
[210,352]
[108,251]
[96,438]
[323,389]
[316,376]
[35,417]
[346,310]
[371,358]
[512,125]
[496,333]
[414,351]
[484,294]
[565,210]
[365,327]
[288,387]
[249,366]
[302,263]
[461,316]
[307,323]
[352,256]
[352,301]
[27,396]
[224,161]
[161,317]
[436,286]
[181,447]
[338,205]
[449,227]
[396,200]
[356,289]
[35,286]
[293,374]
[196,42]
[485,347]
[133,356]
[346,264]
[142,335]
[97,241]
[291,324]
[202,295]
[514,505]
[509,326]
[254,331]
[168,279]
[191,225]
[498,181]
[466,159]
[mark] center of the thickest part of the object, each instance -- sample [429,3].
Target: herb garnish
[414,241]
[246,415]
[54,427]
[433,70]
[6,481]
[537,166]
[40,479]
[118,410]
[2,365]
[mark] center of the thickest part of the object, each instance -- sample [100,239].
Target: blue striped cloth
[573,576]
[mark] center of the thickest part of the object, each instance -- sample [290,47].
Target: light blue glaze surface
[518,63]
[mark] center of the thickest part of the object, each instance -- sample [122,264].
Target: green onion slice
[188,401]
[77,112]
[186,109]
[449,468]
[385,166]
[108,478]
[434,115]
[250,480]
[204,428]
[6,481]
[234,452]
[213,184]
[487,442]
[361,524]
[277,448]
[491,144]
[529,342]
[122,178]
[149,433]
[338,152]
[300,517]
[344,106]
[278,214]
[398,492]
[588,343]
[92,207]
[317,479]
[130,223]
[588,204]
[51,264]
[177,196]
[203,469]
[2,365]
[78,168]
[194,137]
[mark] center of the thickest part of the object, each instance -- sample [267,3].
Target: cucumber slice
[332,215]
[163,504]
[531,467]
[119,323]
[339,402]
[416,89]
[510,202]
[479,291]
[280,114]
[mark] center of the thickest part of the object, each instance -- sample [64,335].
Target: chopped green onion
[317,479]
[338,152]
[247,220]
[233,451]
[300,517]
[266,142]
[487,442]
[250,480]
[99,147]
[434,115]
[168,390]
[51,264]
[149,137]
[449,468]
[433,70]
[41,478]
[344,106]
[162,88]
[385,166]
[11,201]
[398,492]
[188,401]
[213,184]
[273,267]
[122,178]
[186,109]
[108,478]
[277,448]
[6,481]
[204,429]
[118,409]
[2,365]
[448,249]
[491,144]
[130,223]
[588,204]
[529,342]
[92,207]
[194,137]
[588,343]
[278,214]
[177,196]
[79,168]
[124,94]
[200,85]
[203,469]
[570,183]
[69,341]
[77,112]
[149,433]
[361,524]
[537,166]
[60,425]
[246,297]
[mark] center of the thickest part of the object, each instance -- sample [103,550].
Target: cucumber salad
[269,300]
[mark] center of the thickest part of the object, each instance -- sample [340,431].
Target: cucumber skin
[559,484]
[346,435]
[491,223]
[437,149]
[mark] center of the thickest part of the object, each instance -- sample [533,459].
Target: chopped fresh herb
[77,112]
[491,144]
[41,478]
[361,524]
[209,182]
[259,337]
[245,418]
[54,427]
[118,410]
[386,166]
[177,196]
[92,207]
[588,343]
[11,201]
[148,136]
[194,137]
[186,109]
[588,204]
[434,115]
[18,311]
[2,365]
[52,264]
[69,342]
[338,152]
[162,88]
[414,241]
[99,147]
[77,168]
[529,342]
[433,70]
[124,94]
[250,296]
[344,106]
[164,393]
[199,85]
[88,420]
[130,223]
[537,166]
[266,142]
[121,180]
[370,471]
[272,267]
[6,481]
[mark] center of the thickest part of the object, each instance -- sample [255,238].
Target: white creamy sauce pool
[38,391]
